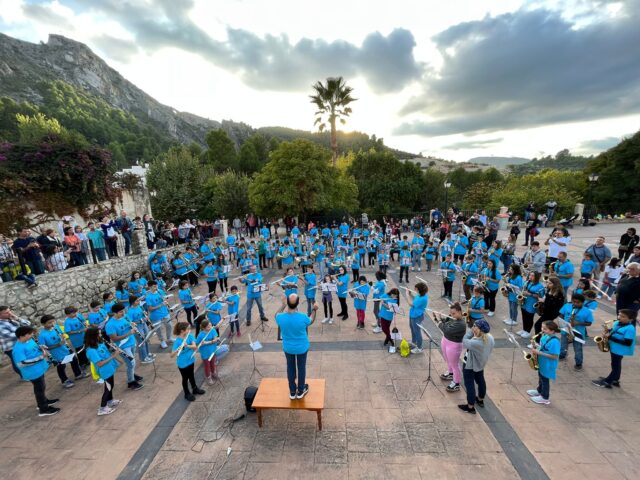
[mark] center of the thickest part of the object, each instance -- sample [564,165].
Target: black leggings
[191,311]
[372,258]
[343,307]
[188,377]
[527,320]
[490,300]
[404,270]
[448,289]
[223,284]
[212,286]
[107,394]
[326,302]
[356,274]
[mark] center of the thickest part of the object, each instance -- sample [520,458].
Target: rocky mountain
[25,66]
[499,162]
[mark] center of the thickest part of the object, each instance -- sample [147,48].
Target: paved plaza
[381,418]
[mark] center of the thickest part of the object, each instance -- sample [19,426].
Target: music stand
[512,339]
[255,346]
[214,355]
[431,341]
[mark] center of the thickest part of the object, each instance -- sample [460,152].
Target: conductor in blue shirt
[295,343]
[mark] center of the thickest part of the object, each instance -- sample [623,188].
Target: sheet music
[67,359]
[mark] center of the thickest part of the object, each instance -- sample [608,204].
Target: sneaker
[520,332]
[49,411]
[105,411]
[52,401]
[114,403]
[190,397]
[508,321]
[163,345]
[304,391]
[325,320]
[264,319]
[84,374]
[525,334]
[377,329]
[346,317]
[199,391]
[465,408]
[147,360]
[577,367]
[374,325]
[541,401]
[616,383]
[210,381]
[416,350]
[171,340]
[480,402]
[100,381]
[601,383]
[248,323]
[135,386]
[453,387]
[138,377]
[152,355]
[446,376]
[533,393]
[68,384]
[491,314]
[331,321]
[238,334]
[292,396]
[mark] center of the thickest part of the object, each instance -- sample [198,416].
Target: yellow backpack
[405,350]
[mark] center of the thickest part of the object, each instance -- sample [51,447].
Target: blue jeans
[507,260]
[310,302]
[543,386]
[470,379]
[101,255]
[416,333]
[127,242]
[298,361]
[577,349]
[513,311]
[143,350]
[28,279]
[250,301]
[130,364]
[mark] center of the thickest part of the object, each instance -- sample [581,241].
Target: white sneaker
[330,321]
[325,320]
[163,345]
[530,345]
[540,400]
[416,350]
[520,332]
[508,321]
[419,269]
[113,403]
[490,314]
[533,393]
[147,360]
[377,330]
[525,334]
[100,381]
[374,325]
[105,411]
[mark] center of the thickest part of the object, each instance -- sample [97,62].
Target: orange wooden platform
[273,393]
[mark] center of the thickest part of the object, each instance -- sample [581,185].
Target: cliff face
[24,65]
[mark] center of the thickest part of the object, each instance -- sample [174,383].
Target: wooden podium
[273,393]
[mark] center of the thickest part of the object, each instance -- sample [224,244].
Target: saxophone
[520,298]
[530,357]
[602,341]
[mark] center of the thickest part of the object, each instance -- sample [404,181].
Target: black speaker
[249,395]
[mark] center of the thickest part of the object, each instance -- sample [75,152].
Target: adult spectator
[9,323]
[27,246]
[149,231]
[6,258]
[532,231]
[628,289]
[515,227]
[49,242]
[551,205]
[237,226]
[108,227]
[96,237]
[295,343]
[600,254]
[125,227]
[251,223]
[635,258]
[628,241]
[557,242]
[528,211]
[184,231]
[74,245]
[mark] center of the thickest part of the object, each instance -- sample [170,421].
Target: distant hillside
[562,161]
[445,166]
[499,162]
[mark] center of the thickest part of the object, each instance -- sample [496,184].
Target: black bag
[249,396]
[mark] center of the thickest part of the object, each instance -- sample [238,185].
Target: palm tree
[332,101]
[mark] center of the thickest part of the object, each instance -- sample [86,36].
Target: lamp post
[593,178]
[447,184]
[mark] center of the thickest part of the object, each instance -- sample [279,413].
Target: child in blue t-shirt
[547,352]
[233,306]
[52,338]
[588,266]
[207,341]
[187,302]
[106,364]
[622,342]
[360,304]
[429,255]
[74,327]
[183,348]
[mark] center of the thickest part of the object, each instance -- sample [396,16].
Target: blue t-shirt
[530,301]
[420,303]
[120,327]
[493,280]
[233,304]
[581,315]
[620,332]
[588,266]
[97,318]
[476,303]
[342,289]
[291,282]
[186,299]
[451,270]
[378,289]
[472,270]
[53,337]
[293,326]
[122,296]
[461,245]
[251,280]
[99,354]
[135,314]
[210,273]
[207,350]
[73,324]
[186,356]
[361,304]
[516,282]
[153,300]
[180,266]
[220,269]
[26,351]
[549,344]
[214,312]
[565,268]
[385,312]
[312,281]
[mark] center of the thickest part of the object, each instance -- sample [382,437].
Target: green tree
[332,100]
[228,194]
[32,128]
[248,161]
[433,188]
[297,181]
[177,181]
[222,151]
[261,145]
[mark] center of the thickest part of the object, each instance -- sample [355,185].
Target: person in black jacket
[628,240]
[553,302]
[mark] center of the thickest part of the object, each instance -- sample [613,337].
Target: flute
[118,349]
[407,289]
[593,284]
[201,342]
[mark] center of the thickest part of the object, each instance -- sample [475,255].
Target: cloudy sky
[451,79]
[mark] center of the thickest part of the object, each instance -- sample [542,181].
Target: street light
[447,184]
[593,178]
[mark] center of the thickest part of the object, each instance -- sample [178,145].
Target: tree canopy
[221,154]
